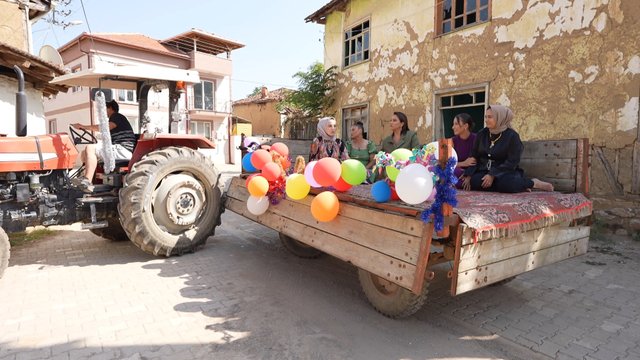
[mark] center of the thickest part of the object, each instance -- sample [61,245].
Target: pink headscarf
[503,116]
[322,123]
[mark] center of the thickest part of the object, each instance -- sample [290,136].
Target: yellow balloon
[297,187]
[258,186]
[392,172]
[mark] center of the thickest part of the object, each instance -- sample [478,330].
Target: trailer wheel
[390,299]
[298,248]
[170,201]
[113,232]
[5,248]
[503,281]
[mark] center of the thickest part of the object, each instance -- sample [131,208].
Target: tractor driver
[122,137]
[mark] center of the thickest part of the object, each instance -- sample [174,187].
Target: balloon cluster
[273,181]
[410,174]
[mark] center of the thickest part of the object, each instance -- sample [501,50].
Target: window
[201,128]
[455,14]
[471,102]
[75,69]
[356,44]
[53,126]
[126,95]
[353,114]
[204,95]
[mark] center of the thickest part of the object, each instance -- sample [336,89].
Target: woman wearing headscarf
[497,151]
[327,144]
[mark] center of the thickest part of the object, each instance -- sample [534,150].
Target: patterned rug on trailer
[499,215]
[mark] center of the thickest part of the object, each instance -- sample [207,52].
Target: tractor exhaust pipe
[21,104]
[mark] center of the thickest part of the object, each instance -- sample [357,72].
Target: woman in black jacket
[497,151]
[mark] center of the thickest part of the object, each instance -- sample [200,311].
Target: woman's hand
[487,181]
[469,162]
[466,183]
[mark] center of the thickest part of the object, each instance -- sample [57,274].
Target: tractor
[166,199]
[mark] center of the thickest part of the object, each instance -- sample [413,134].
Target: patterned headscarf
[503,116]
[322,123]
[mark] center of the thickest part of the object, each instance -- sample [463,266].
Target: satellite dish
[49,54]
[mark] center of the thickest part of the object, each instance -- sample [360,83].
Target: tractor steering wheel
[83,137]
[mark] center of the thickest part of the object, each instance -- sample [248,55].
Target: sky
[278,42]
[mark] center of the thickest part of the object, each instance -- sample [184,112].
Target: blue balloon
[381,191]
[246,163]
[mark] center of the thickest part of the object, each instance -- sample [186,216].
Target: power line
[263,83]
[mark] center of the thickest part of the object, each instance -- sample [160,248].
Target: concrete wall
[568,68]
[265,119]
[13,28]
[35,111]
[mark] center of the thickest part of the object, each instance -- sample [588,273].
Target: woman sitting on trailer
[327,144]
[497,151]
[401,136]
[463,140]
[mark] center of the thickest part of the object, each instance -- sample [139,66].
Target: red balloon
[342,185]
[327,171]
[246,183]
[260,158]
[394,194]
[280,148]
[271,171]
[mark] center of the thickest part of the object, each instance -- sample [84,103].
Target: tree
[315,93]
[257,90]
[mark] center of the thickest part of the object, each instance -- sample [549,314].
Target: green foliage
[255,91]
[24,237]
[315,92]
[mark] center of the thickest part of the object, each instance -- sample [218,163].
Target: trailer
[488,238]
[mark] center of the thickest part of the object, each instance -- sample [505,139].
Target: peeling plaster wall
[568,68]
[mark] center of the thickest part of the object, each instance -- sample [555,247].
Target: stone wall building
[568,69]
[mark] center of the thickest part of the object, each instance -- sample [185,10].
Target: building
[261,110]
[568,68]
[15,49]
[204,108]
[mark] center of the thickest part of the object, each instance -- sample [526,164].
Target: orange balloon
[325,206]
[342,185]
[258,186]
[286,164]
[280,148]
[327,171]
[246,183]
[260,158]
[271,171]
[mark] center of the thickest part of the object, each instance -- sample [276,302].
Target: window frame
[126,93]
[214,87]
[193,124]
[438,128]
[344,42]
[75,69]
[347,126]
[52,126]
[439,21]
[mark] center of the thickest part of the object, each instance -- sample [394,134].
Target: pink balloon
[280,148]
[308,174]
[327,171]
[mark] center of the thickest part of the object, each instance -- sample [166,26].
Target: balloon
[280,148]
[257,205]
[246,163]
[433,195]
[401,154]
[246,183]
[381,191]
[308,174]
[394,193]
[414,184]
[297,187]
[392,172]
[342,185]
[271,171]
[260,158]
[286,164]
[432,153]
[325,206]
[353,172]
[258,186]
[327,171]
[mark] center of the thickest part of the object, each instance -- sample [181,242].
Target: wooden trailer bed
[493,237]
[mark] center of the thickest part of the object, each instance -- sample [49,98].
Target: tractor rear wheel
[390,299]
[170,201]
[113,232]
[5,248]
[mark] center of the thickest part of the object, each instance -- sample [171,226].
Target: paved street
[76,296]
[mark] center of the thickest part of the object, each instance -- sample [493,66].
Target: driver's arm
[112,126]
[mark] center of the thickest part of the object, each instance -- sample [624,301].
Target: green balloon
[392,172]
[353,172]
[401,154]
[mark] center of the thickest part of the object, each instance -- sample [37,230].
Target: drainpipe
[21,104]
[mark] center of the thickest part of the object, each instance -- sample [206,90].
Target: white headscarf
[322,123]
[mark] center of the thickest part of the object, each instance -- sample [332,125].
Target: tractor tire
[298,248]
[170,202]
[390,299]
[113,232]
[5,251]
[503,281]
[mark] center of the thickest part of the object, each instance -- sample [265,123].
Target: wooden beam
[423,259]
[613,181]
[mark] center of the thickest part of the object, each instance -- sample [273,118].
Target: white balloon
[258,205]
[414,184]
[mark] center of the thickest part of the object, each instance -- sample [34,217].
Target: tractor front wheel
[170,201]
[5,248]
